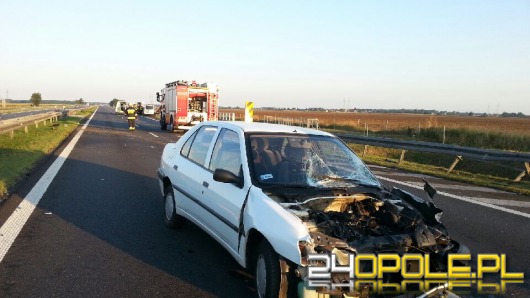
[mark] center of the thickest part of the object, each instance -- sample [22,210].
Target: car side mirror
[224,176]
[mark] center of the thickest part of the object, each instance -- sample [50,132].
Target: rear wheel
[171,219]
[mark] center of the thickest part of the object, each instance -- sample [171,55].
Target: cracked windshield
[307,161]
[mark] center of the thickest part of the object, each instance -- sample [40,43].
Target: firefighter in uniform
[131,117]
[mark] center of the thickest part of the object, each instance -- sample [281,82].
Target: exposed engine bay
[372,225]
[378,222]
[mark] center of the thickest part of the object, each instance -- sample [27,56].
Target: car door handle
[175,167]
[205,184]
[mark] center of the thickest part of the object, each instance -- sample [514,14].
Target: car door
[190,169]
[226,199]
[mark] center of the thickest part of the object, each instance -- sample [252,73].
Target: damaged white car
[272,194]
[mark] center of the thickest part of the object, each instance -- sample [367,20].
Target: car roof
[260,127]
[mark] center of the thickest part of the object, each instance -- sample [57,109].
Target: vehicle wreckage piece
[383,222]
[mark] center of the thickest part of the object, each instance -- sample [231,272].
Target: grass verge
[467,171]
[20,154]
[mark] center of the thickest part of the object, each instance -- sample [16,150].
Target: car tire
[267,271]
[163,125]
[171,125]
[171,218]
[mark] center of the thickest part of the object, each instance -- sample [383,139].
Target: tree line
[36,100]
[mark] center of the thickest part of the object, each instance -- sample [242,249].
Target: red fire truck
[185,104]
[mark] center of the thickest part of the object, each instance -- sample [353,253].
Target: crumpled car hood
[368,220]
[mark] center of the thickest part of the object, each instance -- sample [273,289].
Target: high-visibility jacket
[131,113]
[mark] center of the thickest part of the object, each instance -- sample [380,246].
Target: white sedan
[272,195]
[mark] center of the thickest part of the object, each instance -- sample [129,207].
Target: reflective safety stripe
[131,114]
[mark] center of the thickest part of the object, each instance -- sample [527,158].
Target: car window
[226,153]
[187,145]
[201,143]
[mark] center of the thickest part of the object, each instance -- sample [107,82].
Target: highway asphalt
[98,229]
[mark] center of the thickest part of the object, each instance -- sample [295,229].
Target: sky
[451,55]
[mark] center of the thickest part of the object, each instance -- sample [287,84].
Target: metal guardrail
[455,150]
[8,126]
[469,152]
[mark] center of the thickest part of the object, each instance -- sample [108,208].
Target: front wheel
[172,219]
[163,124]
[267,271]
[171,125]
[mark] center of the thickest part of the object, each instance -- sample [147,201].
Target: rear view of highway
[98,228]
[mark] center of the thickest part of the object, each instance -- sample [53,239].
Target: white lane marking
[513,203]
[153,135]
[12,227]
[462,187]
[465,199]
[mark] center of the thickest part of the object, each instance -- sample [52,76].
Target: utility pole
[4,99]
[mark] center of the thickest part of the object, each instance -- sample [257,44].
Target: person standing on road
[131,117]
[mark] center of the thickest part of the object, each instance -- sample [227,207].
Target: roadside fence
[11,125]
[458,151]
